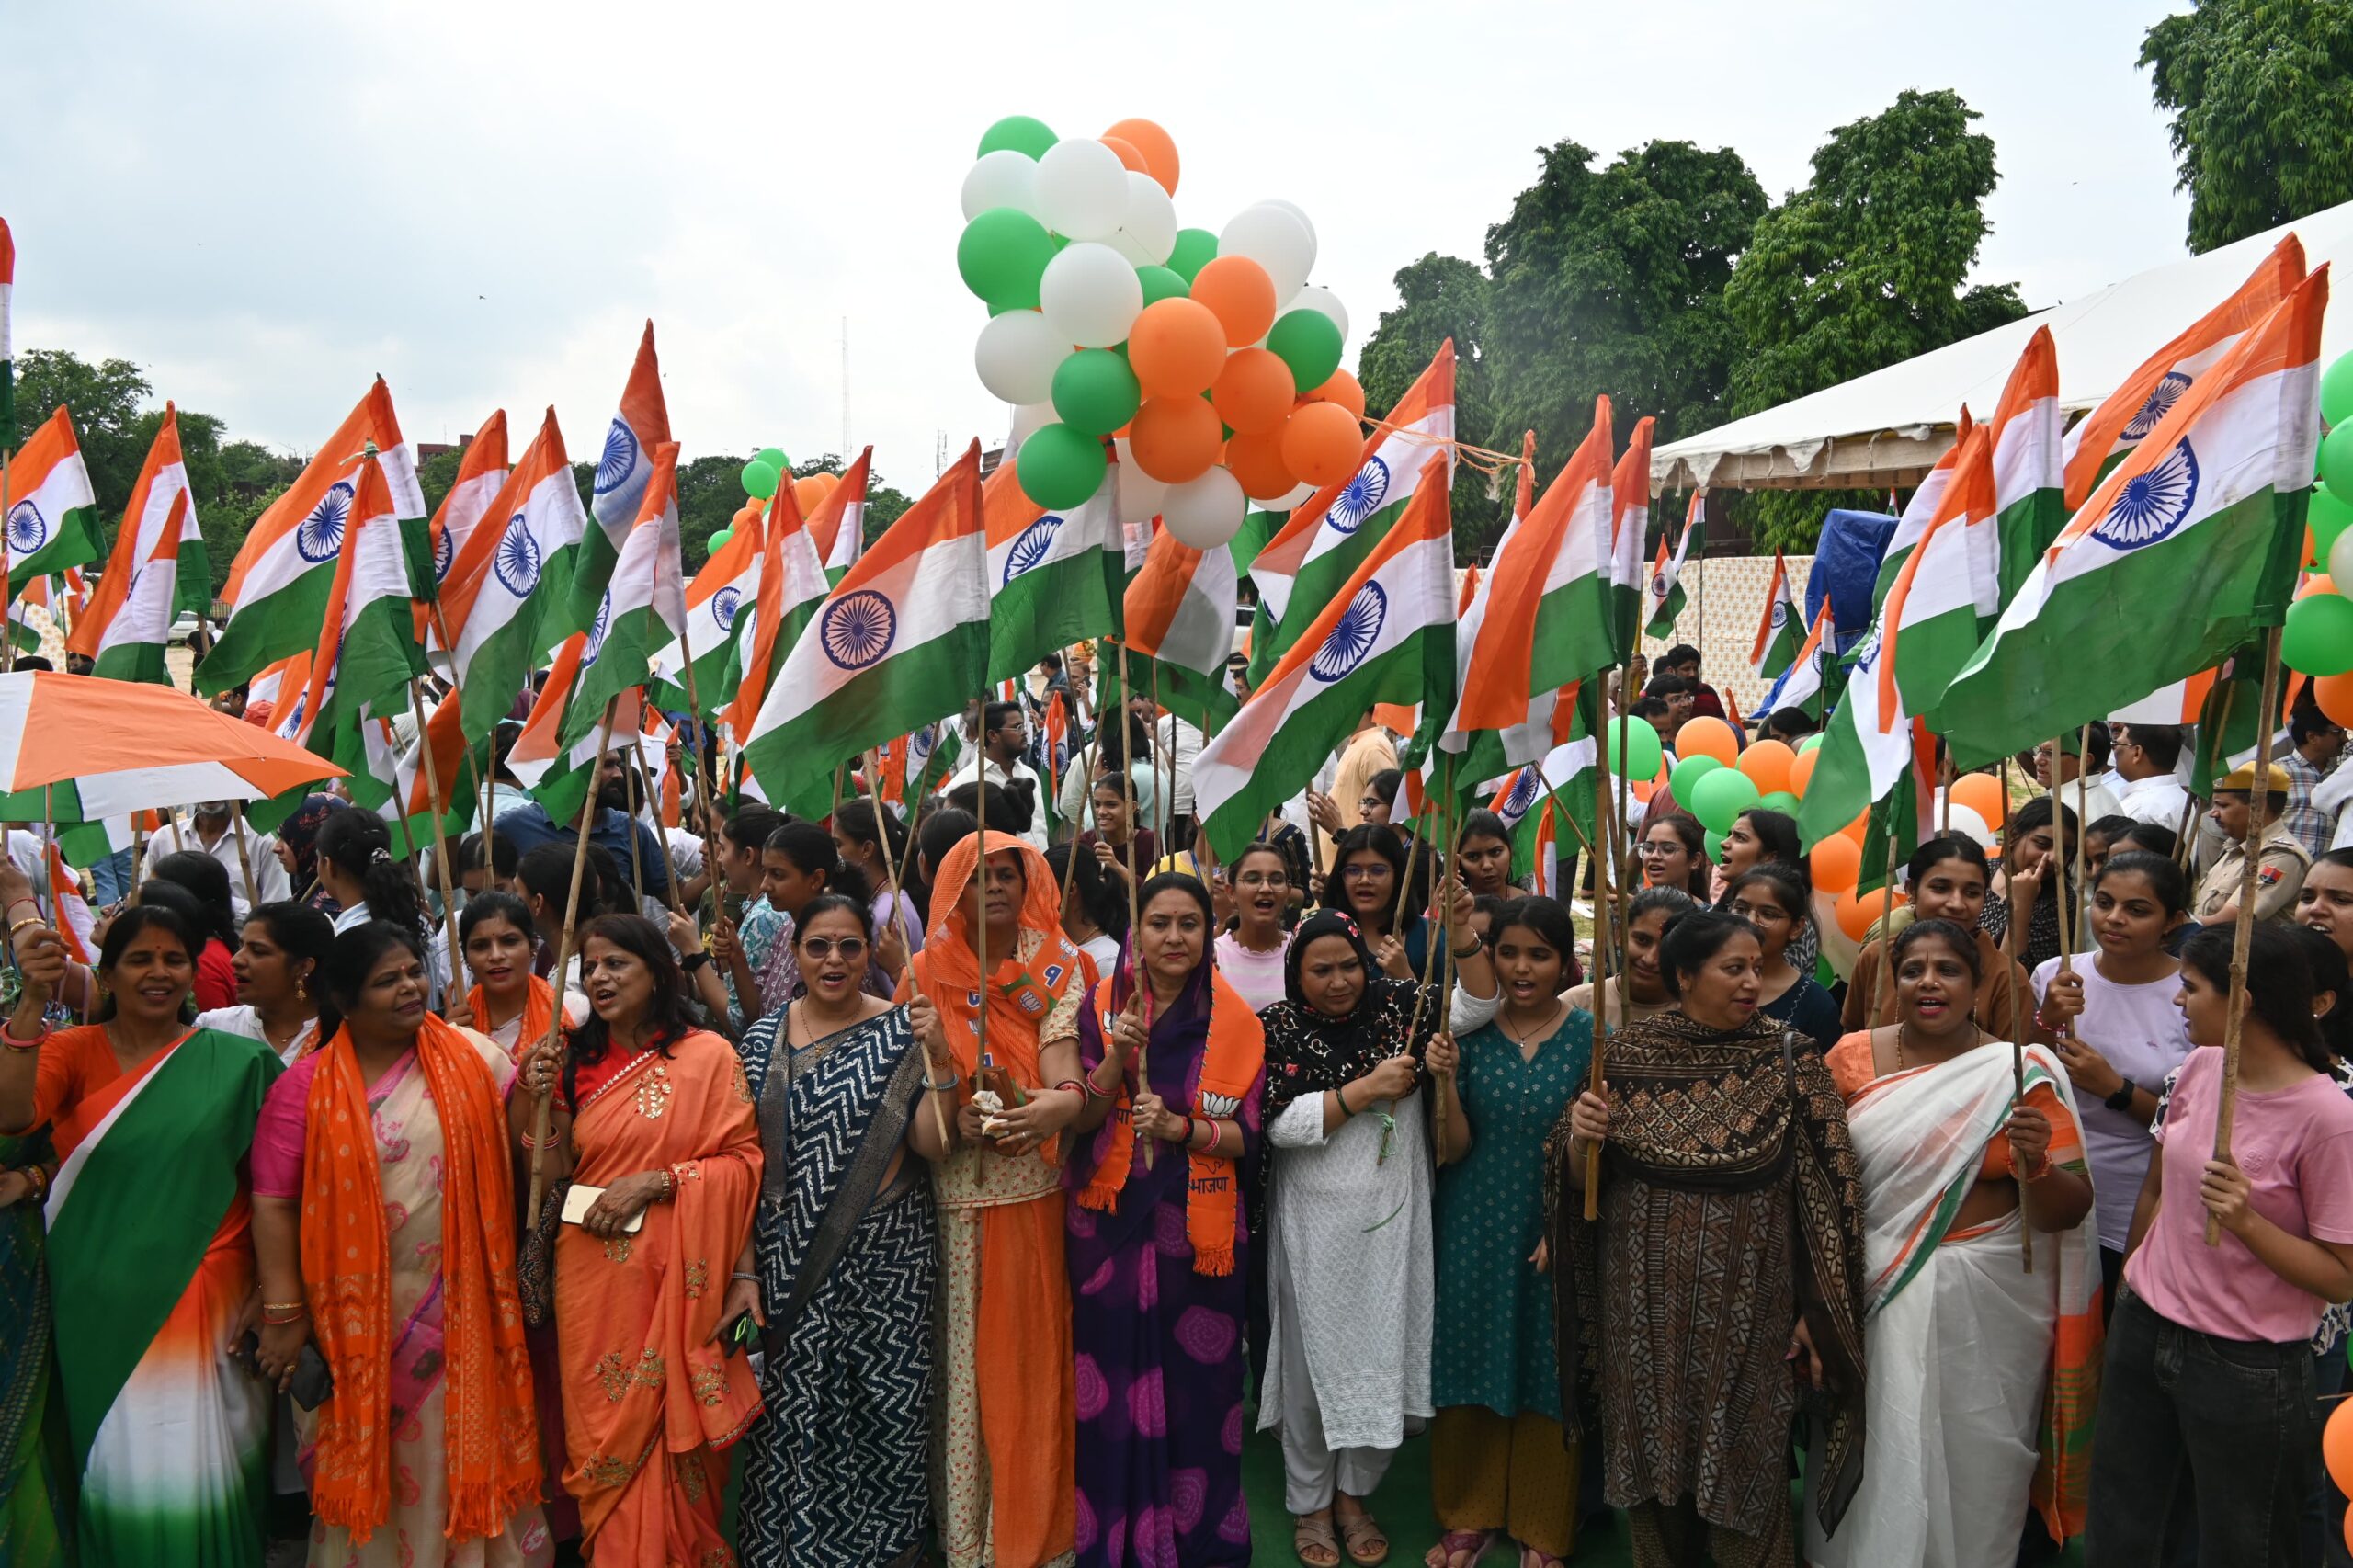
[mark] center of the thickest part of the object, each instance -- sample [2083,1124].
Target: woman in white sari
[1985,1373]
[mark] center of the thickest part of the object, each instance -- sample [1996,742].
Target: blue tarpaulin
[1846,570]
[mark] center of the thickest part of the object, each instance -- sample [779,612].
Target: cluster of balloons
[762,478]
[2318,637]
[1206,363]
[2337,1450]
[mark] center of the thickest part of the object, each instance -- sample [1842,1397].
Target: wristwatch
[2122,1098]
[694,961]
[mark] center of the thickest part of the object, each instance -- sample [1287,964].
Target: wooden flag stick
[1605,861]
[907,935]
[645,790]
[703,779]
[245,856]
[554,1041]
[2265,716]
[1446,936]
[441,839]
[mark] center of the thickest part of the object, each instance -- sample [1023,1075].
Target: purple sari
[1159,1347]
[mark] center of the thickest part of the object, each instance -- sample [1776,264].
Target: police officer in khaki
[2245,815]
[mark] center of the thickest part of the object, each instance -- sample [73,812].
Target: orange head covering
[1020,995]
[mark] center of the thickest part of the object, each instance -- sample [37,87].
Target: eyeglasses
[1364,873]
[1370,803]
[820,948]
[1262,880]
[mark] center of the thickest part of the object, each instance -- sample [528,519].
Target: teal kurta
[1493,1334]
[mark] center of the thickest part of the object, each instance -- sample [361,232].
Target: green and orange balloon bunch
[2318,637]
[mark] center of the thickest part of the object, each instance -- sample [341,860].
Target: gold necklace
[1546,1033]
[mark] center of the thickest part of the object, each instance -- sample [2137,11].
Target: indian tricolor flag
[1055,578]
[52,512]
[71,910]
[1386,635]
[2131,412]
[1778,634]
[555,771]
[500,591]
[370,652]
[725,589]
[1180,629]
[1920,639]
[278,586]
[2029,476]
[1666,595]
[838,527]
[623,470]
[1913,520]
[1541,616]
[792,586]
[158,568]
[1630,521]
[1802,684]
[1301,568]
[902,640]
[2184,550]
[481,474]
[645,601]
[454,776]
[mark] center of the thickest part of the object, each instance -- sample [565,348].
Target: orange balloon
[1128,152]
[1706,736]
[2334,695]
[1252,393]
[1176,348]
[1174,438]
[1856,829]
[2337,1446]
[1322,443]
[1242,298]
[1801,772]
[808,495]
[2316,583]
[1856,915]
[1982,793]
[1767,762]
[1837,861]
[833,482]
[1342,389]
[1159,148]
[1257,461]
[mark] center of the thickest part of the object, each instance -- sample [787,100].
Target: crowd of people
[972,1178]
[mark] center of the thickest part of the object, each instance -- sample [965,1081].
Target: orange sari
[650,1405]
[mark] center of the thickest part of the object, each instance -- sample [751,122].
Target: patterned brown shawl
[1728,1111]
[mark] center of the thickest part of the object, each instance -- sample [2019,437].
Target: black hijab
[1308,1051]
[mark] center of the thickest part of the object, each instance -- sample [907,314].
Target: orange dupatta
[1020,995]
[538,1008]
[490,1431]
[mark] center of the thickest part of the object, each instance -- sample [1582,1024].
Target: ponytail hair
[361,848]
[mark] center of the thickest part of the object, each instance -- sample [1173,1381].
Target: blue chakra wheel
[320,535]
[1360,497]
[2154,503]
[2161,397]
[516,564]
[1350,641]
[619,460]
[858,629]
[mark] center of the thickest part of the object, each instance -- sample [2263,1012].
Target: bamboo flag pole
[554,1041]
[636,859]
[907,935]
[703,779]
[1446,940]
[245,856]
[440,838]
[645,791]
[2266,716]
[1603,860]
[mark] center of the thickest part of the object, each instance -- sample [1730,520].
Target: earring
[301,992]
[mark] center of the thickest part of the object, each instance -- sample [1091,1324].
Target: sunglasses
[822,947]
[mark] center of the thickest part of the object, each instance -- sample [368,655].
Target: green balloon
[718,541]
[2337,461]
[1196,248]
[1160,283]
[1688,773]
[1810,742]
[2318,637]
[1309,342]
[1711,841]
[1002,253]
[1018,132]
[1061,467]
[1635,748]
[2336,391]
[760,479]
[1779,800]
[774,457]
[1095,392]
[2328,516]
[1720,797]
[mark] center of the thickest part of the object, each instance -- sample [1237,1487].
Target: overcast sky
[264,204]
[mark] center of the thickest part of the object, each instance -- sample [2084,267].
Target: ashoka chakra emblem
[1360,497]
[1659,585]
[856,630]
[2154,503]
[28,529]
[1030,545]
[318,536]
[619,460]
[1781,614]
[918,750]
[2161,397]
[1523,795]
[445,551]
[596,643]
[1351,641]
[723,604]
[517,561]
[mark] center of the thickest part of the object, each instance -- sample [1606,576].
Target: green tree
[1867,266]
[1440,297]
[2261,95]
[104,400]
[1612,281]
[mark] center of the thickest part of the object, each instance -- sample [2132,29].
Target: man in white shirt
[2096,799]
[2146,756]
[1005,736]
[1171,738]
[215,828]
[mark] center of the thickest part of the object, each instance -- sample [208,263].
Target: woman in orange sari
[1004,1473]
[652,1281]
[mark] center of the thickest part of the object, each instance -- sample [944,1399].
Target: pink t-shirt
[2296,1146]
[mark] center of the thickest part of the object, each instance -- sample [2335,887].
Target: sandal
[1535,1557]
[1454,1543]
[1367,1548]
[1308,1534]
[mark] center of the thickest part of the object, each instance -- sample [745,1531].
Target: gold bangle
[286,1306]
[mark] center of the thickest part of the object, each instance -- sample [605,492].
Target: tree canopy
[2261,95]
[1440,297]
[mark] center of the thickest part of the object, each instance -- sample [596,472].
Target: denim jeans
[111,878]
[2230,1425]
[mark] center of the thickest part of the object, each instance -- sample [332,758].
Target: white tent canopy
[1888,426]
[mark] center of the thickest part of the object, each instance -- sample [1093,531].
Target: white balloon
[1028,418]
[1296,210]
[1205,513]
[1967,823]
[1322,300]
[1091,295]
[1142,496]
[2337,552]
[1295,496]
[1081,190]
[1001,178]
[1016,356]
[1151,221]
[1276,239]
[1124,243]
